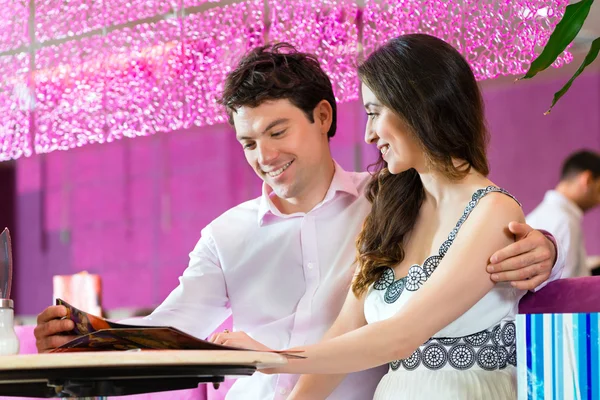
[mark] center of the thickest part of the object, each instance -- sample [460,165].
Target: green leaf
[589,58]
[564,33]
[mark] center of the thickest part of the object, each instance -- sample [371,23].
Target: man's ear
[323,115]
[586,178]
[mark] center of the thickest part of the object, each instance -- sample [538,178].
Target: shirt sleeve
[559,264]
[566,257]
[200,303]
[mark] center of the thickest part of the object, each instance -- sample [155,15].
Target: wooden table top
[141,358]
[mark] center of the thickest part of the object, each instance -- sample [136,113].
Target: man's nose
[266,153]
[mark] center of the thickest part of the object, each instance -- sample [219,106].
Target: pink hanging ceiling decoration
[122,11]
[14,29]
[328,30]
[496,37]
[69,87]
[56,19]
[144,89]
[138,81]
[214,41]
[105,70]
[16,101]
[192,3]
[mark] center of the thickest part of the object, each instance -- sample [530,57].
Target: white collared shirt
[561,217]
[283,277]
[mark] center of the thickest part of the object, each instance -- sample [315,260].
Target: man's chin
[283,191]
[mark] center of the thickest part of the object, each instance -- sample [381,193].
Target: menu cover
[98,334]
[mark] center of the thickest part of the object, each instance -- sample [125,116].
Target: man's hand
[49,328]
[527,263]
[237,339]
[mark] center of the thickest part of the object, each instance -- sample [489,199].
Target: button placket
[308,239]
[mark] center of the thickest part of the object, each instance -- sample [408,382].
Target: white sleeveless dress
[473,358]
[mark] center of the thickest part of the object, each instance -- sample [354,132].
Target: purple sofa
[572,295]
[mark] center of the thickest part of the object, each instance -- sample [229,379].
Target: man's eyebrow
[275,123]
[270,126]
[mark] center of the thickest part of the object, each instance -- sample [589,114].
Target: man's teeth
[384,149]
[278,172]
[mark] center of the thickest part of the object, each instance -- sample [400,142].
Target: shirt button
[310,265]
[282,391]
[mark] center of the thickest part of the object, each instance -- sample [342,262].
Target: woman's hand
[243,341]
[237,339]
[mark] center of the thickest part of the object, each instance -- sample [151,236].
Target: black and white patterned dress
[472,358]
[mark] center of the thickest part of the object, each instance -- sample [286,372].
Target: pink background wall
[133,209]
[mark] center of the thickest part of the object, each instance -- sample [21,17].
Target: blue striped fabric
[558,356]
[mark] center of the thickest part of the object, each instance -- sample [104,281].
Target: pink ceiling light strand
[138,81]
[14,29]
[214,41]
[328,30]
[58,18]
[16,101]
[496,37]
[144,90]
[165,71]
[69,87]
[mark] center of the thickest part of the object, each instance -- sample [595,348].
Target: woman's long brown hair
[428,84]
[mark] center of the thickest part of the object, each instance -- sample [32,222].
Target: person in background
[561,212]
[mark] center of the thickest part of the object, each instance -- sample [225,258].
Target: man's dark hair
[278,71]
[579,162]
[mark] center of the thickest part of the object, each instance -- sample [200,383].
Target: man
[282,263]
[561,211]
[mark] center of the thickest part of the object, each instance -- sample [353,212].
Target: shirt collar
[556,197]
[342,182]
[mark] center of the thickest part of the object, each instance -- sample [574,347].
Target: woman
[421,299]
